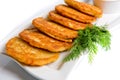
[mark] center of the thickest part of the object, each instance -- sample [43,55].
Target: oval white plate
[56,70]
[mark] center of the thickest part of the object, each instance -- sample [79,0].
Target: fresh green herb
[88,40]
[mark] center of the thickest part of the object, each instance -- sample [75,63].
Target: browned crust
[21,51]
[84,7]
[66,21]
[37,39]
[54,30]
[74,14]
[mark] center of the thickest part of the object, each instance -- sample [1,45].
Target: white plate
[56,70]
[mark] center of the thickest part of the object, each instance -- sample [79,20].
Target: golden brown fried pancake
[23,52]
[74,14]
[54,30]
[85,8]
[37,39]
[66,21]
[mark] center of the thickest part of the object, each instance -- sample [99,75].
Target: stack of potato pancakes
[42,44]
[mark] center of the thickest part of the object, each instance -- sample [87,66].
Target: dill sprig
[88,40]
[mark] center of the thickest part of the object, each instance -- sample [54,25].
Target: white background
[106,65]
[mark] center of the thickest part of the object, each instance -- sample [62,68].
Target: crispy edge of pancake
[37,39]
[24,58]
[72,24]
[61,39]
[37,22]
[85,8]
[74,14]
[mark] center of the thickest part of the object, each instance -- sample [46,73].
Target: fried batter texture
[85,8]
[74,14]
[54,30]
[23,52]
[39,40]
[66,21]
[41,45]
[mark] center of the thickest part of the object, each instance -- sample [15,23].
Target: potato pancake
[24,53]
[54,30]
[74,14]
[72,24]
[40,40]
[85,7]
